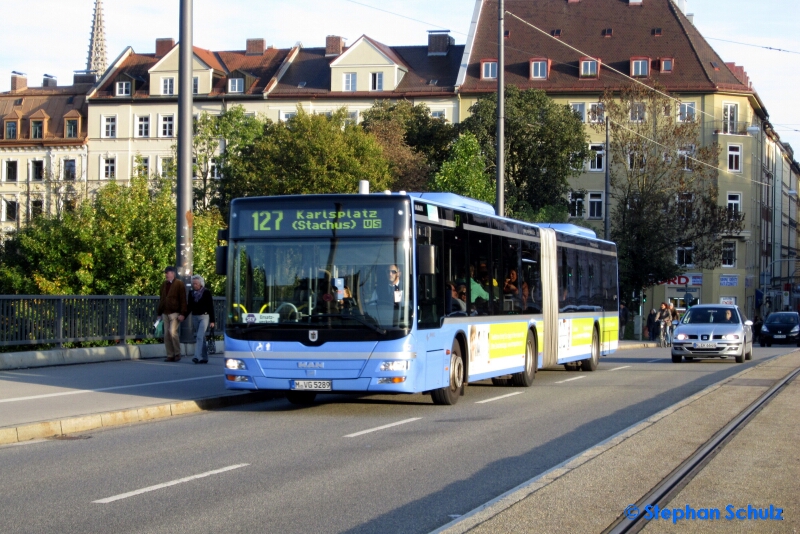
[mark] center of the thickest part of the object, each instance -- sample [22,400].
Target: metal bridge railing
[45,320]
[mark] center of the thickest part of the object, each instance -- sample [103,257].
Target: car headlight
[681,337]
[731,337]
[795,330]
[764,330]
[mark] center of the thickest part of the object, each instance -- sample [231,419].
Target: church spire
[97,60]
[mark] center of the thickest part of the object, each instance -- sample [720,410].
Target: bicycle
[662,335]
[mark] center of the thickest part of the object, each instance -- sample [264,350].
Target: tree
[545,145]
[664,185]
[408,168]
[464,172]
[423,133]
[306,154]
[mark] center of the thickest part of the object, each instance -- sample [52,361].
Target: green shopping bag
[159,330]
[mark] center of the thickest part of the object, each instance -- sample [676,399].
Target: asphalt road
[338,466]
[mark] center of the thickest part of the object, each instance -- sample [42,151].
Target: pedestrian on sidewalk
[201,306]
[623,320]
[652,324]
[172,309]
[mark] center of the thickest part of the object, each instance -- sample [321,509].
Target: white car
[713,331]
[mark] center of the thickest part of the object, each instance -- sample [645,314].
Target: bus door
[430,287]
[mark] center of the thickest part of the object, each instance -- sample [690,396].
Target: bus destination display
[362,221]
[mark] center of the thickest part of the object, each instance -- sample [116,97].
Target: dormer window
[11,129]
[589,68]
[71,129]
[556,33]
[608,32]
[540,68]
[489,69]
[666,65]
[640,67]
[37,129]
[195,85]
[656,32]
[123,89]
[236,85]
[433,81]
[376,81]
[349,81]
[168,86]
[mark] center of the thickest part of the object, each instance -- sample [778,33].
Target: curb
[82,423]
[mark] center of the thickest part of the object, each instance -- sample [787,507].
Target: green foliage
[118,244]
[206,224]
[306,154]
[545,145]
[463,172]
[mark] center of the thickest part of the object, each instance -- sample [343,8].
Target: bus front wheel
[525,378]
[449,394]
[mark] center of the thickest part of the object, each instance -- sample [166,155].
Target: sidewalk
[759,467]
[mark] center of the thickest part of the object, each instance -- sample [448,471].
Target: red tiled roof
[51,103]
[582,24]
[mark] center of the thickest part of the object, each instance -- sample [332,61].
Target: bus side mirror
[222,260]
[426,258]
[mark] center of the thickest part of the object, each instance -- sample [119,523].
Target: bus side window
[430,287]
[478,283]
[454,258]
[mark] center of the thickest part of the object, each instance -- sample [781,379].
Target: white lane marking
[79,391]
[569,379]
[167,484]
[500,397]
[618,368]
[656,360]
[404,421]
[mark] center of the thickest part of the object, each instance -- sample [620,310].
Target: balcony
[728,127]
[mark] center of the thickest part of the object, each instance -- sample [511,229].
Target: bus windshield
[353,283]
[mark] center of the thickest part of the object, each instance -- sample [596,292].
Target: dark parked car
[781,327]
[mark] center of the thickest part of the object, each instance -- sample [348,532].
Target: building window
[730,118]
[579,108]
[637,112]
[683,256]
[143,126]
[167,86]
[538,69]
[167,167]
[576,203]
[11,171]
[588,68]
[37,208]
[349,81]
[123,88]
[667,65]
[236,85]
[109,168]
[687,111]
[352,117]
[376,81]
[640,67]
[11,130]
[195,85]
[69,170]
[286,115]
[70,203]
[109,127]
[596,113]
[10,211]
[489,70]
[72,128]
[168,126]
[142,165]
[214,170]
[37,171]
[597,157]
[686,155]
[438,114]
[735,158]
[729,253]
[734,205]
[596,205]
[636,161]
[37,129]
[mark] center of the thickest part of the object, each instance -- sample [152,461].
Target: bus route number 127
[262,220]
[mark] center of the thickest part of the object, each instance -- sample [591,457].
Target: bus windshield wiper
[360,319]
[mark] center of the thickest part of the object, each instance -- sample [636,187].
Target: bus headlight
[230,363]
[397,365]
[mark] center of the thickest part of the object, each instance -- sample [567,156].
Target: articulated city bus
[408,293]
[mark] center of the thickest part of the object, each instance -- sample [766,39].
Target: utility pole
[185,217]
[501,142]
[607,222]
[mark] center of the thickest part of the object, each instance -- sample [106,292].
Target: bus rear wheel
[590,364]
[449,394]
[525,378]
[301,398]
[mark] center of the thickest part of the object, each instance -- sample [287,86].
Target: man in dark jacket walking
[172,309]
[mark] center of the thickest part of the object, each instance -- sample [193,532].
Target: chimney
[82,76]
[334,45]
[163,46]
[439,42]
[255,47]
[690,16]
[19,82]
[49,81]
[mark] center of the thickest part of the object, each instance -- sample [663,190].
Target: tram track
[680,477]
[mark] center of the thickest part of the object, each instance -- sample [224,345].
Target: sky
[62,29]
